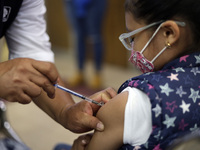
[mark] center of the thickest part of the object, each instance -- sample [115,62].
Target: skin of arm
[78,117]
[25,78]
[112,116]
[54,107]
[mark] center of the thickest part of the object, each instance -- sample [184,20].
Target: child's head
[172,29]
[156,10]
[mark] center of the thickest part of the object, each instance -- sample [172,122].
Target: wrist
[63,115]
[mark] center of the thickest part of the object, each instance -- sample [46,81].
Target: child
[157,107]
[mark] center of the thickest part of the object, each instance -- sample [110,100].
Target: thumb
[99,126]
[94,123]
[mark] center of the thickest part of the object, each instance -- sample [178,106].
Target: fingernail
[84,142]
[100,126]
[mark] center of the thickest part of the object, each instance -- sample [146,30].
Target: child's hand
[81,142]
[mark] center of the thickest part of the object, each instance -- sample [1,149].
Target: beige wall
[114,25]
[56,24]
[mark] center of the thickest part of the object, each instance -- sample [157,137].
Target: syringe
[79,95]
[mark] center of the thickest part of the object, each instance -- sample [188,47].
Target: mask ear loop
[167,46]
[151,39]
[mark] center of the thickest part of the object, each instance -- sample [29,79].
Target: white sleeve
[138,121]
[27,35]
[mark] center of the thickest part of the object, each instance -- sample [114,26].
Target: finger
[77,145]
[93,122]
[111,92]
[18,95]
[86,139]
[32,90]
[81,142]
[104,95]
[108,94]
[47,69]
[34,74]
[79,118]
[43,82]
[23,98]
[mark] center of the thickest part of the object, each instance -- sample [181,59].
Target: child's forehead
[132,23]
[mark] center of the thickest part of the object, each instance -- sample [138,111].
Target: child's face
[143,37]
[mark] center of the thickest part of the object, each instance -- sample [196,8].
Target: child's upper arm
[112,115]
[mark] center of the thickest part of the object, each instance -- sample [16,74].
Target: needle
[79,95]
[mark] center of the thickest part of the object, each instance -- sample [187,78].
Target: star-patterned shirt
[174,93]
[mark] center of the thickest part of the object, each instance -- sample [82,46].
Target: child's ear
[171,31]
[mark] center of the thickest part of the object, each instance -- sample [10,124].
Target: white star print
[158,98]
[146,145]
[179,70]
[173,77]
[180,91]
[169,121]
[157,110]
[194,95]
[197,58]
[166,89]
[195,128]
[195,71]
[158,135]
[185,107]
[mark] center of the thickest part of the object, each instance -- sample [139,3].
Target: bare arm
[54,107]
[24,80]
[78,117]
[112,115]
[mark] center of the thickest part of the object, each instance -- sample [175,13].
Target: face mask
[138,59]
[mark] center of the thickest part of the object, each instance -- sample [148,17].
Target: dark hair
[156,10]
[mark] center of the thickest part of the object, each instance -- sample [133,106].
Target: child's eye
[131,40]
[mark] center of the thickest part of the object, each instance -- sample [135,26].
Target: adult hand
[80,118]
[81,142]
[103,96]
[23,79]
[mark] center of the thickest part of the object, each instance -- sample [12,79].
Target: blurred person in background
[86,18]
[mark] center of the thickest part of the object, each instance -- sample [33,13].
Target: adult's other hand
[23,79]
